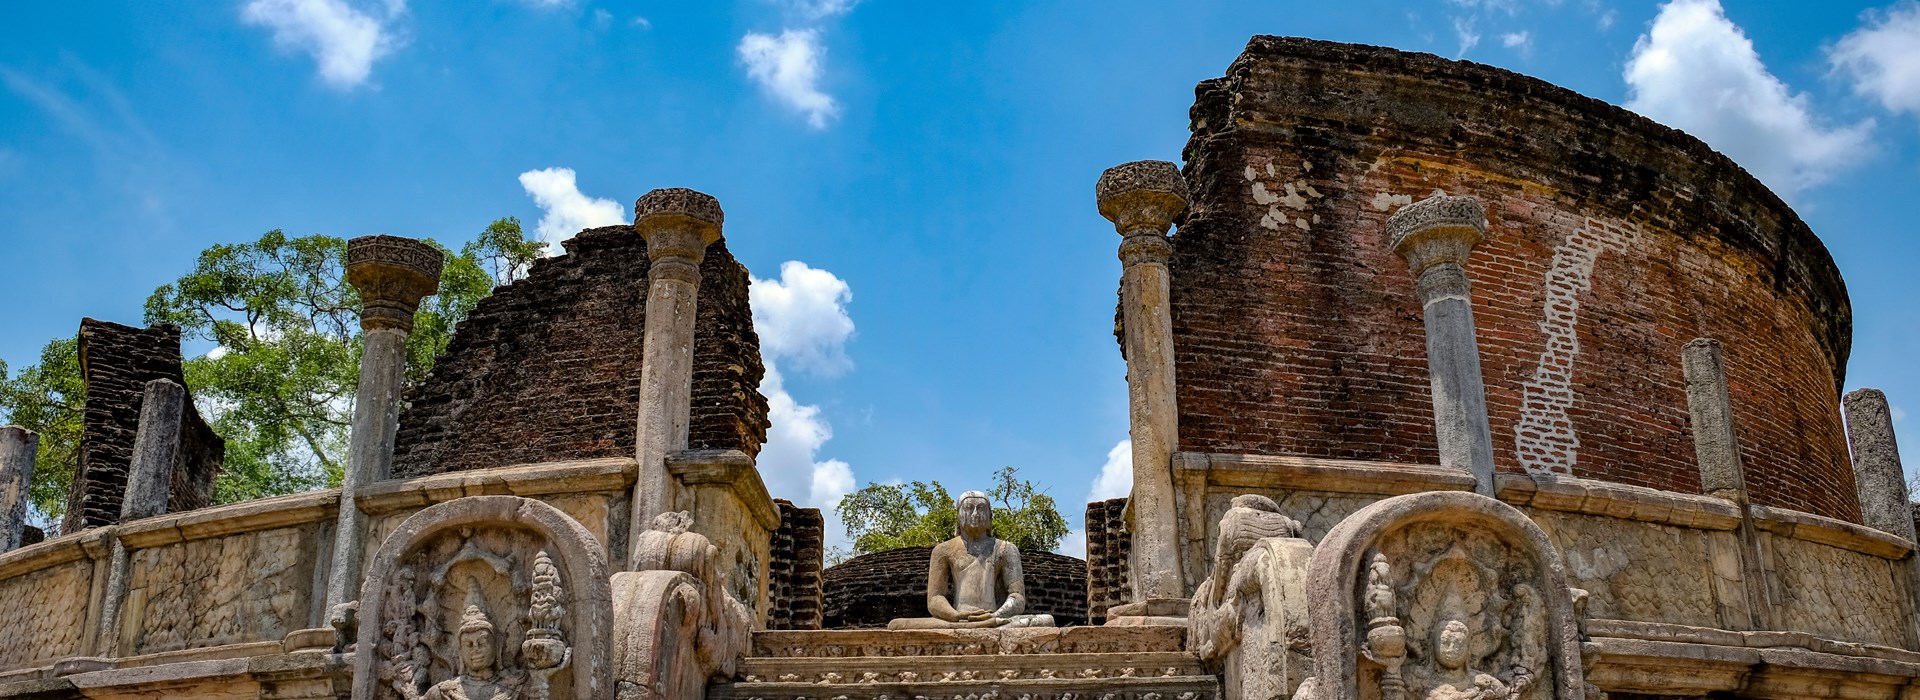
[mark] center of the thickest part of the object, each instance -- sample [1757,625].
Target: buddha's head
[477,651]
[1450,645]
[975,515]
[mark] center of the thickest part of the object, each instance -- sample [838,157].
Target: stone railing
[1645,556]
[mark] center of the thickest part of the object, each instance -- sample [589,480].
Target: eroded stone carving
[1248,620]
[485,598]
[974,580]
[1463,598]
[676,623]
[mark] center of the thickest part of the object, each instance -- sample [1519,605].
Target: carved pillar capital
[1141,199]
[678,225]
[393,274]
[1437,230]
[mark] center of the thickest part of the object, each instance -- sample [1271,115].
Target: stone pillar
[155,450]
[392,274]
[678,224]
[1141,199]
[1877,474]
[1717,449]
[18,448]
[1435,235]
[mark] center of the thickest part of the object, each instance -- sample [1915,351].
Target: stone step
[1001,667]
[1151,688]
[1031,640]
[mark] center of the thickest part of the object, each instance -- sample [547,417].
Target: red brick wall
[1297,330]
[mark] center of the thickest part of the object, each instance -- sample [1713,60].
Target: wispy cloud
[342,39]
[816,10]
[1116,475]
[1696,71]
[1882,57]
[788,67]
[1469,37]
[564,209]
[1521,42]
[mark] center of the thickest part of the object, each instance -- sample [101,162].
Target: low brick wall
[867,591]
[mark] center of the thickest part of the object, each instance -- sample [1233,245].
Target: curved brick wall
[548,368]
[1613,242]
[868,590]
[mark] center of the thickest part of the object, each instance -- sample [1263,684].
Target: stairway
[1071,663]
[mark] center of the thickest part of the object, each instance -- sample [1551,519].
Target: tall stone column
[1435,236]
[156,448]
[18,448]
[393,274]
[1141,199]
[1877,474]
[678,225]
[1716,448]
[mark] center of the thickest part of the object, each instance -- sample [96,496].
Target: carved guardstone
[485,598]
[675,624]
[1250,615]
[1441,596]
[974,580]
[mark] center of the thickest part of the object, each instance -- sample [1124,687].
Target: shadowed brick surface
[116,362]
[868,590]
[1613,242]
[548,368]
[1107,547]
[793,568]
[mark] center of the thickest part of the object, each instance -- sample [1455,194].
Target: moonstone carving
[974,580]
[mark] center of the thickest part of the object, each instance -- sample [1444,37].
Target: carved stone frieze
[1248,620]
[485,598]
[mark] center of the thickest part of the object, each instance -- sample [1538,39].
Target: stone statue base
[934,623]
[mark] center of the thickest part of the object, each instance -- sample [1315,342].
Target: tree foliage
[881,517]
[280,381]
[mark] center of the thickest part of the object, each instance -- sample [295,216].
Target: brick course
[1613,242]
[548,368]
[1108,544]
[793,568]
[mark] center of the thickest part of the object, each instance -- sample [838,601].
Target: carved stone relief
[245,587]
[1441,596]
[45,614]
[485,598]
[1838,594]
[1637,570]
[1248,620]
[677,621]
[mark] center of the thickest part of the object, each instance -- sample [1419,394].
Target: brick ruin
[1107,545]
[116,362]
[867,591]
[548,368]
[794,569]
[1297,330]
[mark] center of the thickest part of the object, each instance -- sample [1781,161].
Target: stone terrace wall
[1613,242]
[1108,543]
[793,569]
[548,368]
[116,362]
[867,591]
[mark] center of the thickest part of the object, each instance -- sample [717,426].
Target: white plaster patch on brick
[1251,174]
[1383,201]
[1544,438]
[1261,195]
[1297,196]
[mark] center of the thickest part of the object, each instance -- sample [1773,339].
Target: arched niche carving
[532,578]
[1444,595]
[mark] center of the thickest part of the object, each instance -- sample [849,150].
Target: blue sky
[929,167]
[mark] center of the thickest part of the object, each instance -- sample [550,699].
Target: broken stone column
[1141,199]
[1435,235]
[678,224]
[392,274]
[1717,448]
[155,451]
[1877,474]
[18,448]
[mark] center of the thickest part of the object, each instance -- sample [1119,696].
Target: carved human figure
[1454,676]
[478,652]
[974,579]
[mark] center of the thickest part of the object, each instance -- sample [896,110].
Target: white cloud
[344,40]
[564,210]
[641,22]
[1469,37]
[1116,476]
[1074,544]
[815,10]
[1899,414]
[1696,71]
[1520,41]
[802,317]
[1882,57]
[788,66]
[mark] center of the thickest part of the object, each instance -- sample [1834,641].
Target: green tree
[881,517]
[48,398]
[279,384]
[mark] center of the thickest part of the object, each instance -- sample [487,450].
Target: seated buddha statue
[974,580]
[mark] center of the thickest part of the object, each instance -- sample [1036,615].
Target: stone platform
[1132,663]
